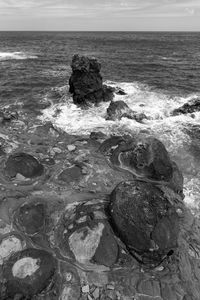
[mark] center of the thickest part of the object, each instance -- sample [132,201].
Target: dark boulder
[28,273]
[188,108]
[24,164]
[30,218]
[86,83]
[145,220]
[119,109]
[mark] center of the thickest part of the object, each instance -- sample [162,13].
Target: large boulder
[145,219]
[119,109]
[24,164]
[144,157]
[188,108]
[28,273]
[86,83]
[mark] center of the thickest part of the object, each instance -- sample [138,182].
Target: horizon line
[99,30]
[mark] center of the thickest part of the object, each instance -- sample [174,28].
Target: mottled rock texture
[86,83]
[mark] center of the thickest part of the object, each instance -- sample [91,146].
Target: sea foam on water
[16,55]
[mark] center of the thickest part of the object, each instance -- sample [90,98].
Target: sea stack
[86,82]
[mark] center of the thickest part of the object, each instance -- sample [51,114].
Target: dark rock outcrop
[145,220]
[86,83]
[28,273]
[119,109]
[24,164]
[188,108]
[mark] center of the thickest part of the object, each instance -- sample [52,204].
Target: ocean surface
[158,71]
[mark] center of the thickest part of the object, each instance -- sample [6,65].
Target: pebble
[20,177]
[57,150]
[110,287]
[71,147]
[85,289]
[96,293]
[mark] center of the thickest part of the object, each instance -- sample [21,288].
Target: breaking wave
[16,55]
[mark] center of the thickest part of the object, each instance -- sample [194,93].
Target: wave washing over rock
[16,55]
[92,208]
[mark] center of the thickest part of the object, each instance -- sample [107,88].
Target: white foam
[16,55]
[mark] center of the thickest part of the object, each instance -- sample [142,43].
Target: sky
[109,15]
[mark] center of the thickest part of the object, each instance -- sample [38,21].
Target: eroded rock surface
[28,273]
[85,235]
[86,83]
[24,164]
[119,109]
[144,157]
[145,220]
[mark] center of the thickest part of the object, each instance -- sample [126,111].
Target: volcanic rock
[30,217]
[119,109]
[145,220]
[24,164]
[144,157]
[85,235]
[71,174]
[28,273]
[85,82]
[120,91]
[188,108]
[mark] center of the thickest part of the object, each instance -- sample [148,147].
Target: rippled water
[158,71]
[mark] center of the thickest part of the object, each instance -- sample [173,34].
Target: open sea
[159,71]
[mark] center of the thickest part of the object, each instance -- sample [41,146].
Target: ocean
[159,72]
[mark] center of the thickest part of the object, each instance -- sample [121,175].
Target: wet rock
[144,157]
[71,147]
[28,273]
[119,109]
[30,217]
[120,91]
[188,108]
[86,81]
[8,116]
[97,135]
[24,164]
[84,234]
[145,220]
[72,174]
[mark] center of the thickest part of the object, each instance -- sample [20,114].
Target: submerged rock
[119,109]
[85,82]
[188,108]
[145,220]
[28,273]
[24,164]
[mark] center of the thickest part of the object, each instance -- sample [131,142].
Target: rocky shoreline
[92,217]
